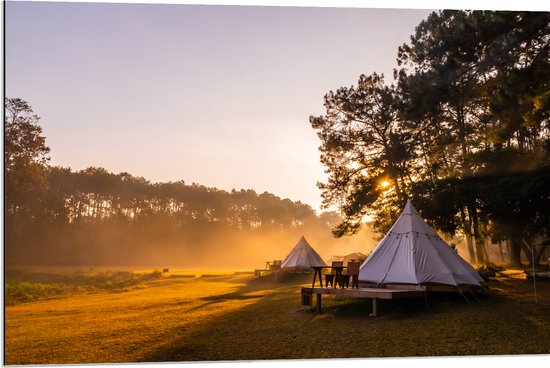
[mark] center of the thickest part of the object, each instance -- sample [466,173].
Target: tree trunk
[461,125]
[538,253]
[479,242]
[469,240]
[486,244]
[526,246]
[529,248]
[501,252]
[480,251]
[515,252]
[471,250]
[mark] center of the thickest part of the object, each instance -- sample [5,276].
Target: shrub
[20,292]
[26,288]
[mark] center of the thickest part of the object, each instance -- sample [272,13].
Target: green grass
[24,286]
[236,316]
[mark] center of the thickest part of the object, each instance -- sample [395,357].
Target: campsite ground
[92,317]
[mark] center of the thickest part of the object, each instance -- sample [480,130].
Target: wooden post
[318,303]
[374,307]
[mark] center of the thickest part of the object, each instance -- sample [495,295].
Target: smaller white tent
[412,253]
[302,256]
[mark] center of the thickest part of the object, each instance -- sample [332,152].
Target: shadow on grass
[268,284]
[237,295]
[282,279]
[408,308]
[276,326]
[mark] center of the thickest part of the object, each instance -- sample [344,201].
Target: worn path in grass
[239,317]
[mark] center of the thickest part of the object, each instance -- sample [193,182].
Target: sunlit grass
[212,315]
[113,327]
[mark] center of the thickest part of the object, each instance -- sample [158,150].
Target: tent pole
[461,293]
[474,294]
[534,274]
[486,290]
[426,299]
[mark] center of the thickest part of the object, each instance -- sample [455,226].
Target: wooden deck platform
[371,293]
[258,272]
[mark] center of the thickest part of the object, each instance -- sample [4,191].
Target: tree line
[463,131]
[92,216]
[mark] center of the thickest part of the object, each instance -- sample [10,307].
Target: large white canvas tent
[412,253]
[302,256]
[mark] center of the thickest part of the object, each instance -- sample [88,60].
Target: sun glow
[385,184]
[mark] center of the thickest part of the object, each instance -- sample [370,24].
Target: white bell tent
[412,253]
[302,256]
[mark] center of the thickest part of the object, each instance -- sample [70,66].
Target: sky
[216,95]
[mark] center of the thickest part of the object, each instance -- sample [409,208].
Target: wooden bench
[372,293]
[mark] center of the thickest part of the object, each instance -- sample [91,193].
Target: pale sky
[217,95]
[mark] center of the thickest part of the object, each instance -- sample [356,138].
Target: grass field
[200,315]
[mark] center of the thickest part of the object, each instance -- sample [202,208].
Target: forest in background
[57,216]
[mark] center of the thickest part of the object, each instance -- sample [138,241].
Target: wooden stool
[353,271]
[337,268]
[329,279]
[345,281]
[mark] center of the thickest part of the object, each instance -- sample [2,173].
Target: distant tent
[357,257]
[302,256]
[412,253]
